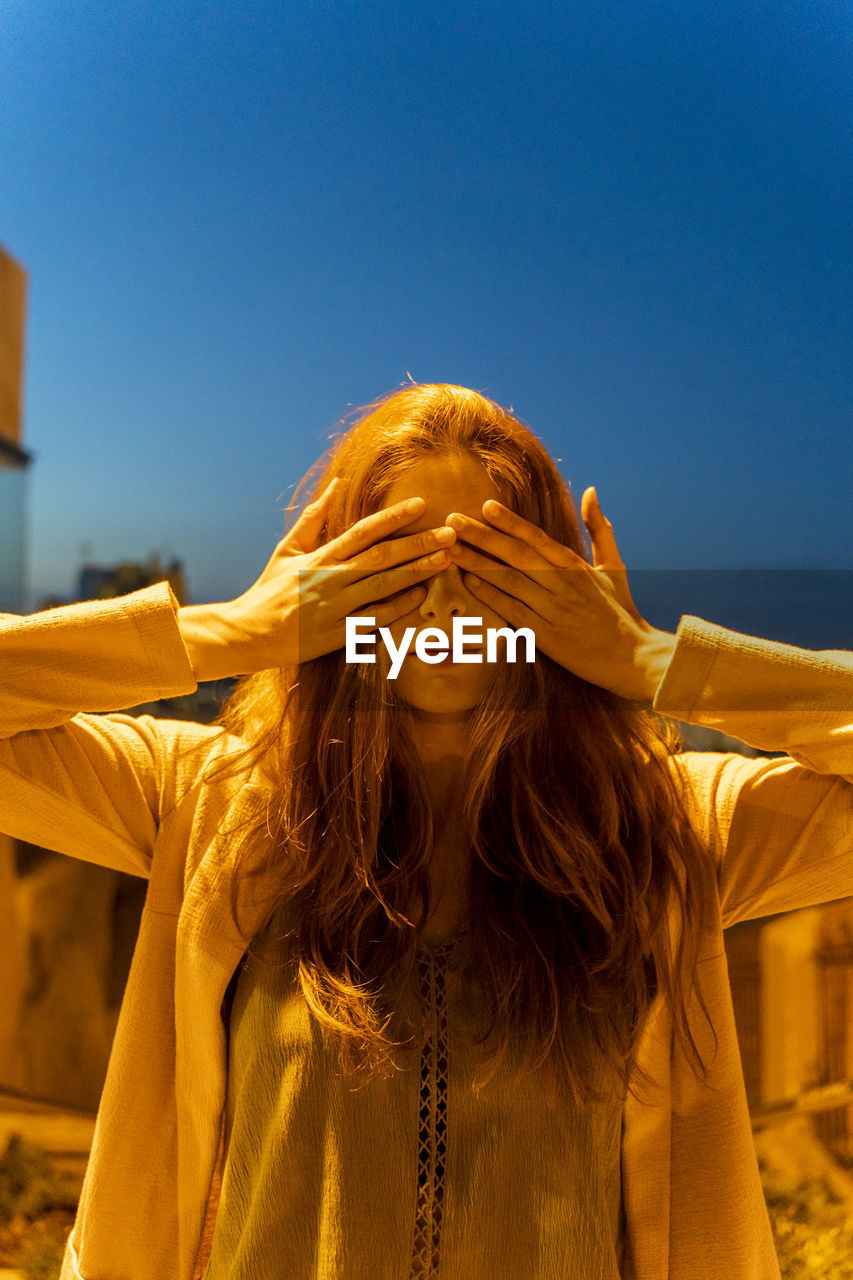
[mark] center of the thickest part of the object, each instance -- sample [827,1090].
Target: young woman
[430,980]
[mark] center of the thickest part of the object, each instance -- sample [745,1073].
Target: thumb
[605,552]
[305,533]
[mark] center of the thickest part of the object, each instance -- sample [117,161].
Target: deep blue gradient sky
[631,221]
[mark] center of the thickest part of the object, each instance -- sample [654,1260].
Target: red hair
[589,886]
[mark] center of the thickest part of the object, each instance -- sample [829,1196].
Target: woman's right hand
[297,608]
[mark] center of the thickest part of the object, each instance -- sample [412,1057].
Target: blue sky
[632,222]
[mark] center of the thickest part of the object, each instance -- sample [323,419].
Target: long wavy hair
[588,887]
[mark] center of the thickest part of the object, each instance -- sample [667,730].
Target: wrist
[653,657]
[210,638]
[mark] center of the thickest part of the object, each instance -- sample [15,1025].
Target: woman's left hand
[583,615]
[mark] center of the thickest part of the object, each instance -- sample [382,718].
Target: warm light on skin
[444,695]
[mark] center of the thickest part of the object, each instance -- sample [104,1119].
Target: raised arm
[781,828]
[90,785]
[775,696]
[101,655]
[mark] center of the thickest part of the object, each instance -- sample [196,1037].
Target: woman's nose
[446,594]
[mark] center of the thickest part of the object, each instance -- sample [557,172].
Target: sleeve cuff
[696,646]
[155,615]
[771,695]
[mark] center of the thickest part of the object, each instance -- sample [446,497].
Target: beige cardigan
[114,789]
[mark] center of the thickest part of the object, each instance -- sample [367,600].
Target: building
[67,928]
[14,460]
[97,582]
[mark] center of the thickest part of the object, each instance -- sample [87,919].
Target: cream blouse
[415,1177]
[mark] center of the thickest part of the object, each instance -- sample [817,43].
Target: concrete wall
[13,289]
[12,969]
[791,1040]
[62,976]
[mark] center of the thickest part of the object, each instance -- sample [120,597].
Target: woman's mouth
[446,660]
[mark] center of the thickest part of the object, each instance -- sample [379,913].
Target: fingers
[381,560]
[514,597]
[364,593]
[516,542]
[370,529]
[331,635]
[389,611]
[511,538]
[514,583]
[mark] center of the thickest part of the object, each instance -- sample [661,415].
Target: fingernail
[414,504]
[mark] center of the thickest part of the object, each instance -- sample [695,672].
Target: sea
[810,608]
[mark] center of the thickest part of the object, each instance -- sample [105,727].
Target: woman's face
[446,691]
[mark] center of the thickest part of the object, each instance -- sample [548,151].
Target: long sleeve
[773,696]
[90,785]
[782,828]
[100,655]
